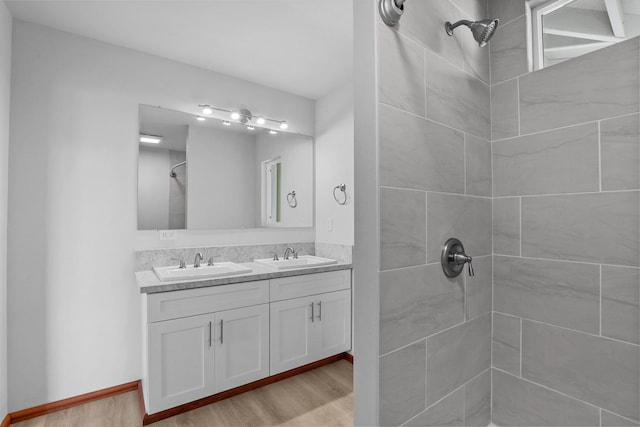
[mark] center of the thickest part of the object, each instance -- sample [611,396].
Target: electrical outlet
[329,224]
[167,234]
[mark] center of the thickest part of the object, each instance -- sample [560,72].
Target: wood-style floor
[322,397]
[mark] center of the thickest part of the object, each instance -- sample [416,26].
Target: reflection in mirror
[210,174]
[565,29]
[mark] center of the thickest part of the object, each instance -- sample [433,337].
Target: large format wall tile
[612,420]
[402,228]
[620,140]
[597,370]
[506,343]
[457,99]
[457,355]
[621,303]
[463,217]
[418,153]
[601,228]
[478,292]
[506,10]
[477,408]
[400,71]
[506,226]
[402,384]
[425,24]
[559,161]
[448,412]
[595,86]
[472,9]
[517,402]
[509,51]
[504,110]
[478,164]
[417,302]
[561,293]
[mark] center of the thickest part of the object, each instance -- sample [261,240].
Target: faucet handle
[295,254]
[275,256]
[471,272]
[210,262]
[182,264]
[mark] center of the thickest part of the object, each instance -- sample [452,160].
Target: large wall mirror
[565,29]
[207,173]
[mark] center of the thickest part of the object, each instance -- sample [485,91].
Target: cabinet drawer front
[191,302]
[309,284]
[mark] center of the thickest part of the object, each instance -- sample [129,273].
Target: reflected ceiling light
[260,120]
[200,118]
[226,122]
[250,127]
[283,125]
[150,139]
[206,109]
[272,132]
[235,115]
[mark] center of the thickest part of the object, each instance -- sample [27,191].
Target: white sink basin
[219,269]
[303,261]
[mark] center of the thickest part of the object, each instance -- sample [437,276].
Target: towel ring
[343,188]
[291,199]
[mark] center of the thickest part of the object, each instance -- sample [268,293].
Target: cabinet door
[333,323]
[292,333]
[180,361]
[241,346]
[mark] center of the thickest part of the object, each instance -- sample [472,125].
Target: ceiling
[304,47]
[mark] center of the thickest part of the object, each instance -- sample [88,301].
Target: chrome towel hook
[343,188]
[291,199]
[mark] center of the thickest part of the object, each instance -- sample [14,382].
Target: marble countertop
[149,283]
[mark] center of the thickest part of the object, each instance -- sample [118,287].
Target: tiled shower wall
[435,183]
[566,236]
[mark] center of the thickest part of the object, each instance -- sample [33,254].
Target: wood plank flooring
[322,397]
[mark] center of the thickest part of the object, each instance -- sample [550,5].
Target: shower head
[482,30]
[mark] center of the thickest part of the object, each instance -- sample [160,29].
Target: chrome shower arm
[173,174]
[450,27]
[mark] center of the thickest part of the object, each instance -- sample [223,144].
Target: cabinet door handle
[312,316]
[210,327]
[320,310]
[221,331]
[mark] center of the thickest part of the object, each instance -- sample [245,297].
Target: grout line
[600,303]
[407,345]
[426,379]
[567,261]
[447,193]
[599,157]
[434,121]
[562,127]
[600,415]
[464,161]
[521,347]
[518,101]
[520,224]
[583,193]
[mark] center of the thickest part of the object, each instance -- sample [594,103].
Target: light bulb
[150,139]
[272,132]
[250,127]
[206,109]
[226,123]
[260,120]
[283,125]
[235,115]
[200,118]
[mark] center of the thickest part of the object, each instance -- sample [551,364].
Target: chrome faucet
[182,264]
[290,251]
[196,261]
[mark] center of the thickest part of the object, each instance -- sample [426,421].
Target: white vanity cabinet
[199,342]
[312,327]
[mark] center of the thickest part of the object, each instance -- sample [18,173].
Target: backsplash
[147,259]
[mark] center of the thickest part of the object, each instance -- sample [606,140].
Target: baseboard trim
[6,421]
[348,357]
[158,416]
[47,408]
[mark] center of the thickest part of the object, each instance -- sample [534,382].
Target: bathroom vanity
[204,337]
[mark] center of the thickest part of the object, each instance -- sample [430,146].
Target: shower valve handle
[454,258]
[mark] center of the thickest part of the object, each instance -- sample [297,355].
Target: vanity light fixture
[150,139]
[244,116]
[226,122]
[200,118]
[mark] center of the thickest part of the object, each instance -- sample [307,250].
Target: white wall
[334,165]
[73,305]
[296,155]
[221,175]
[5,81]
[153,188]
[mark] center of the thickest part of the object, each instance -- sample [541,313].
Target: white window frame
[536,10]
